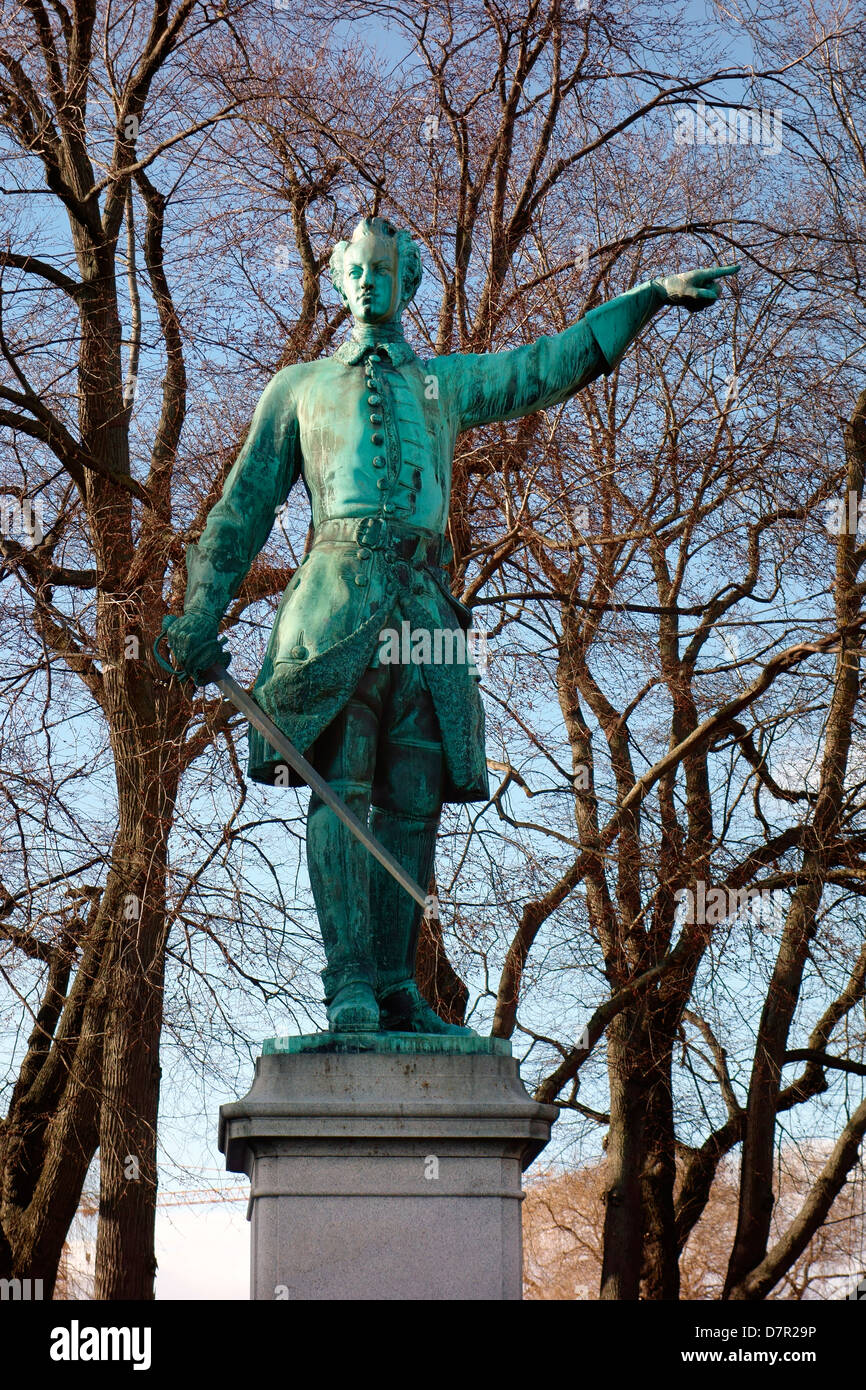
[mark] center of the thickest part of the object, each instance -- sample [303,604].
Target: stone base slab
[385,1174]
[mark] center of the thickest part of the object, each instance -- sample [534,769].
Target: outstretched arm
[616,324]
[504,385]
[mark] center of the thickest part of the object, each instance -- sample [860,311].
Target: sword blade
[277,739]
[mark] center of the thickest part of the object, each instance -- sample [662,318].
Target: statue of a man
[371,431]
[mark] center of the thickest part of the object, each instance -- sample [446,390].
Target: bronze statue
[372,431]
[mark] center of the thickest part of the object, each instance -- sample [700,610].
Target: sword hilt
[213,675]
[160,660]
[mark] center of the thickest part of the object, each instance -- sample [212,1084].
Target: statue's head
[377,273]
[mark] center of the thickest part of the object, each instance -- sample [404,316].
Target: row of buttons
[374,400]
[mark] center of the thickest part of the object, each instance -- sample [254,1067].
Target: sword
[253,711]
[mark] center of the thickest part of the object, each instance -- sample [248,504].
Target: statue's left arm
[504,385]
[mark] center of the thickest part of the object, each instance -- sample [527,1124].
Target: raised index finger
[716,271]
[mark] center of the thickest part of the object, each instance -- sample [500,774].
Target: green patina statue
[371,431]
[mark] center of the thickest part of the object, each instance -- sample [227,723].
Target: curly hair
[408,256]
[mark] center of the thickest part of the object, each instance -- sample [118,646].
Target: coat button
[389,509]
[299,653]
[363,553]
[374,399]
[378,439]
[375,419]
[378,461]
[382,484]
[360,580]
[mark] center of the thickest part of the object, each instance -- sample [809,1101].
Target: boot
[405,1010]
[339,869]
[354,1009]
[396,920]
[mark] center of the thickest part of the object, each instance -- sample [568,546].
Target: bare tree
[563,1216]
[674,683]
[92,101]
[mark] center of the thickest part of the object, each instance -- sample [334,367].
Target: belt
[404,542]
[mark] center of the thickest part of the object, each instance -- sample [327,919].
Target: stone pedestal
[385,1166]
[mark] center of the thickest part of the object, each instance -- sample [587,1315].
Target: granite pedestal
[385,1166]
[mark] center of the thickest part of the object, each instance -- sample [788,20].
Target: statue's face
[371,278]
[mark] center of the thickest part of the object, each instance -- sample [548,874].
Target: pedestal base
[383,1171]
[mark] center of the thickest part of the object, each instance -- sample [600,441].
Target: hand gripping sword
[253,711]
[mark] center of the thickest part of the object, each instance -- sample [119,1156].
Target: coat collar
[353,351]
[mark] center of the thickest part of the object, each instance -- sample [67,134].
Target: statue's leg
[339,865]
[407,804]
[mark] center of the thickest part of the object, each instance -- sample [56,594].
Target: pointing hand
[696,288]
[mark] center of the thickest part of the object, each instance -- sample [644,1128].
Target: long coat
[371,432]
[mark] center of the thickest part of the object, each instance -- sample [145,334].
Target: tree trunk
[147,785]
[438,981]
[50,1133]
[620,1274]
[660,1274]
